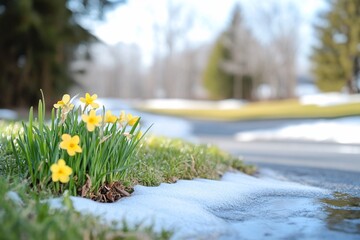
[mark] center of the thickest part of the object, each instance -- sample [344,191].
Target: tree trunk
[238,87]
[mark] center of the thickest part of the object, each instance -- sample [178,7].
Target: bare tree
[113,71]
[280,27]
[172,34]
[243,55]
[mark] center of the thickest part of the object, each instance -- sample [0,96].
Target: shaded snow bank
[174,103]
[343,130]
[329,99]
[208,208]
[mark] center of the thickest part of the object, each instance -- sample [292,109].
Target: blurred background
[189,49]
[274,82]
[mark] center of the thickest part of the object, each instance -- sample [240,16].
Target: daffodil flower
[60,171]
[122,117]
[70,144]
[128,118]
[91,120]
[109,117]
[90,100]
[64,103]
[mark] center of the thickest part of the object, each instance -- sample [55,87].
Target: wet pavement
[275,217]
[327,165]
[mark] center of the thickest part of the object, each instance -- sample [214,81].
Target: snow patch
[192,104]
[194,208]
[340,130]
[329,99]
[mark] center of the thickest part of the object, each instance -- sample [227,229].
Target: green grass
[158,160]
[32,219]
[68,154]
[167,160]
[264,110]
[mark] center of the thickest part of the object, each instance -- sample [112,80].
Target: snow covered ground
[237,207]
[343,130]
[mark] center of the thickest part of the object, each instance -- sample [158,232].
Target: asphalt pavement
[323,164]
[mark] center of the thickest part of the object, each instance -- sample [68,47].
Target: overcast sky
[134,21]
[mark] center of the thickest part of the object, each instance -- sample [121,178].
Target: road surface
[324,164]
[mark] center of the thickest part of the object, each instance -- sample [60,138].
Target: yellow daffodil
[64,103]
[70,144]
[122,117]
[128,118]
[109,117]
[131,120]
[91,120]
[90,100]
[60,172]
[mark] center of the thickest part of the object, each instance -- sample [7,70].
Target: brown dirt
[111,192]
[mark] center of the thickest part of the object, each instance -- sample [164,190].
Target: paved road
[344,157]
[324,164]
[229,128]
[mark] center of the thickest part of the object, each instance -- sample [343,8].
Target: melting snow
[328,99]
[210,209]
[340,130]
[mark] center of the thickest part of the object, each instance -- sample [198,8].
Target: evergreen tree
[336,60]
[218,83]
[229,71]
[38,41]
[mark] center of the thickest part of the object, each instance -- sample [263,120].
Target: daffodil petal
[54,168]
[84,117]
[76,139]
[55,177]
[63,145]
[78,149]
[71,152]
[66,98]
[67,170]
[65,137]
[64,178]
[61,162]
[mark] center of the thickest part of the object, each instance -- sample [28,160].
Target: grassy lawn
[157,160]
[263,110]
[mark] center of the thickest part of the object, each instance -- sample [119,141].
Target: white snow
[192,104]
[343,130]
[199,207]
[328,99]
[8,114]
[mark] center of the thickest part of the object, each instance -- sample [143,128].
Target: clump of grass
[72,154]
[8,131]
[28,150]
[167,160]
[29,218]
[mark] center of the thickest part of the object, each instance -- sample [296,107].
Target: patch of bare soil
[108,193]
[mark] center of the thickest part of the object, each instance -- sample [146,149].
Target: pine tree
[229,73]
[336,60]
[218,83]
[38,41]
